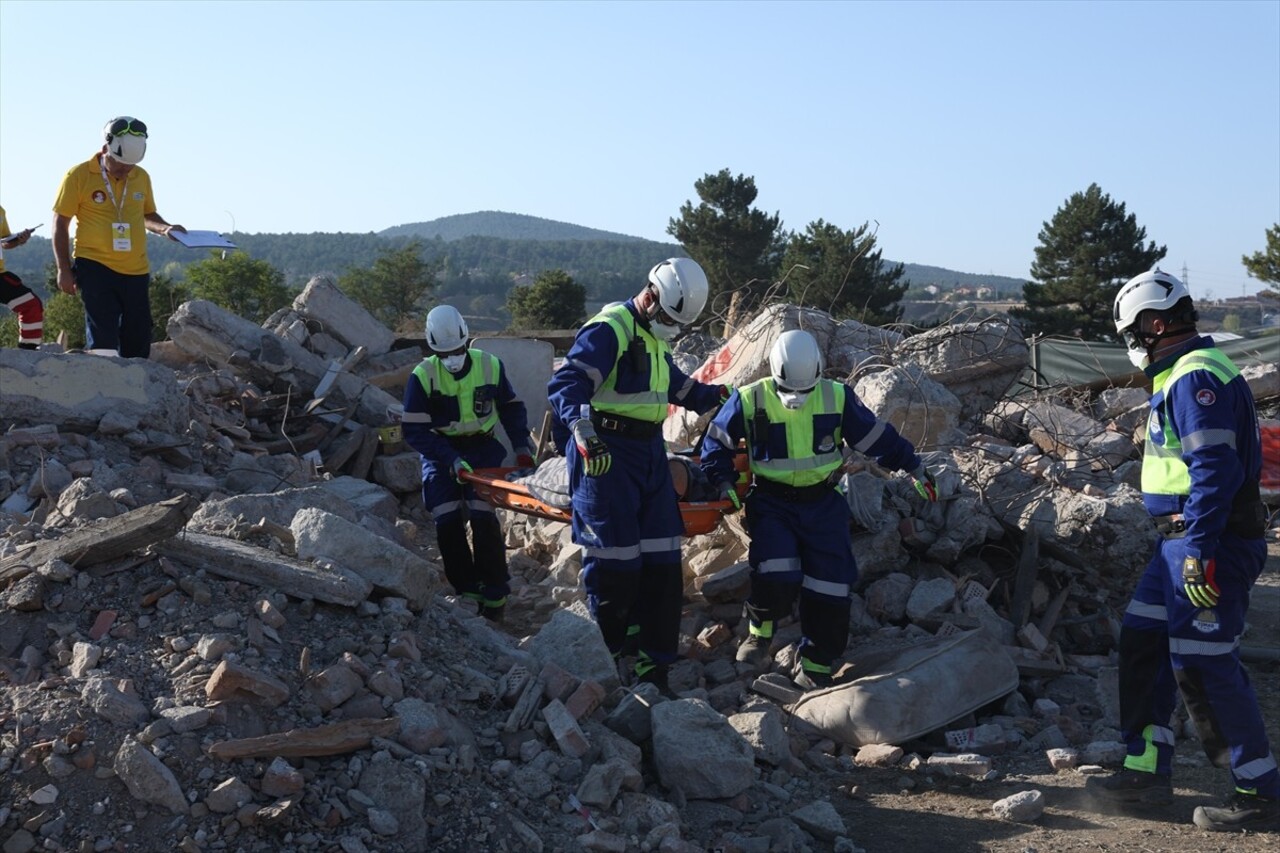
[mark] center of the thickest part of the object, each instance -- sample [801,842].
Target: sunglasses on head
[126,125]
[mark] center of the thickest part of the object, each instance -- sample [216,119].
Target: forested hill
[508,226]
[921,275]
[608,267]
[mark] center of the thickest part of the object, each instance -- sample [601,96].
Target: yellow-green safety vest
[485,368]
[803,466]
[649,405]
[1163,471]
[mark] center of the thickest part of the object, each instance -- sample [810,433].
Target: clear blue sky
[960,127]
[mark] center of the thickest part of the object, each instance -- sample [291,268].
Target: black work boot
[657,676]
[1131,788]
[754,651]
[810,679]
[495,613]
[1242,811]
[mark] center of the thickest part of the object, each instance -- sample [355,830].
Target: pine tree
[1265,266]
[841,272]
[553,301]
[1086,252]
[737,245]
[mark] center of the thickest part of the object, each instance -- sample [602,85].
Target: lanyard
[124,190]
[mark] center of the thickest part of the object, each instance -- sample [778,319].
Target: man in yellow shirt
[110,198]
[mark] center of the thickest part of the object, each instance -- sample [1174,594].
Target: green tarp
[1058,362]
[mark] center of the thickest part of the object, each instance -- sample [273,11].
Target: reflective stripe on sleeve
[1208,438]
[870,438]
[1155,612]
[594,375]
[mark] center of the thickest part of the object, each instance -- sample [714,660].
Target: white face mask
[793,399]
[1139,358]
[662,331]
[453,363]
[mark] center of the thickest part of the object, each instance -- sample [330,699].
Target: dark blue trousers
[117,309]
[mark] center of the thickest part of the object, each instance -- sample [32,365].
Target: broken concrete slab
[922,410]
[82,389]
[105,539]
[261,567]
[696,750]
[976,361]
[388,566]
[207,331]
[338,315]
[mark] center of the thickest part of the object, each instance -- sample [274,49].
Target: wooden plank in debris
[1025,579]
[105,539]
[338,426]
[364,459]
[1049,620]
[261,567]
[299,444]
[332,739]
[345,448]
[1033,663]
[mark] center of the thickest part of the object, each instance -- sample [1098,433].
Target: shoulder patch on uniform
[1206,397]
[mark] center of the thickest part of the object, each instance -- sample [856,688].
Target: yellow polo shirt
[4,232]
[86,197]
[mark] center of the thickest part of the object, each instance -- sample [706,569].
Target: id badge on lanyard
[120,240]
[121,232]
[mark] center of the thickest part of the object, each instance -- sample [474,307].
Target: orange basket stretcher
[492,485]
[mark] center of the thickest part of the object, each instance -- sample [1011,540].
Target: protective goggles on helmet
[127,125]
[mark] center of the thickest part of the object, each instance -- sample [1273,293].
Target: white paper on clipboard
[202,240]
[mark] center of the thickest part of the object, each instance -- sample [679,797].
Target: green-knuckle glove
[1198,581]
[730,494]
[460,465]
[925,484]
[591,448]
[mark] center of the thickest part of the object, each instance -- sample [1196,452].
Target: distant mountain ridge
[488,242]
[519,226]
[506,226]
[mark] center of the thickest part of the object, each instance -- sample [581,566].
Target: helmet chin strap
[1151,340]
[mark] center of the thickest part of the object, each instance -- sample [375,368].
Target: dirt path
[954,815]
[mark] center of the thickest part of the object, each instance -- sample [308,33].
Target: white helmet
[682,288]
[446,330]
[1155,290]
[795,362]
[126,139]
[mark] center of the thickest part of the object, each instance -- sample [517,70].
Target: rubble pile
[223,625]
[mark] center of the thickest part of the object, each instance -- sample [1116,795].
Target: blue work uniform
[1201,469]
[450,416]
[621,377]
[798,521]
